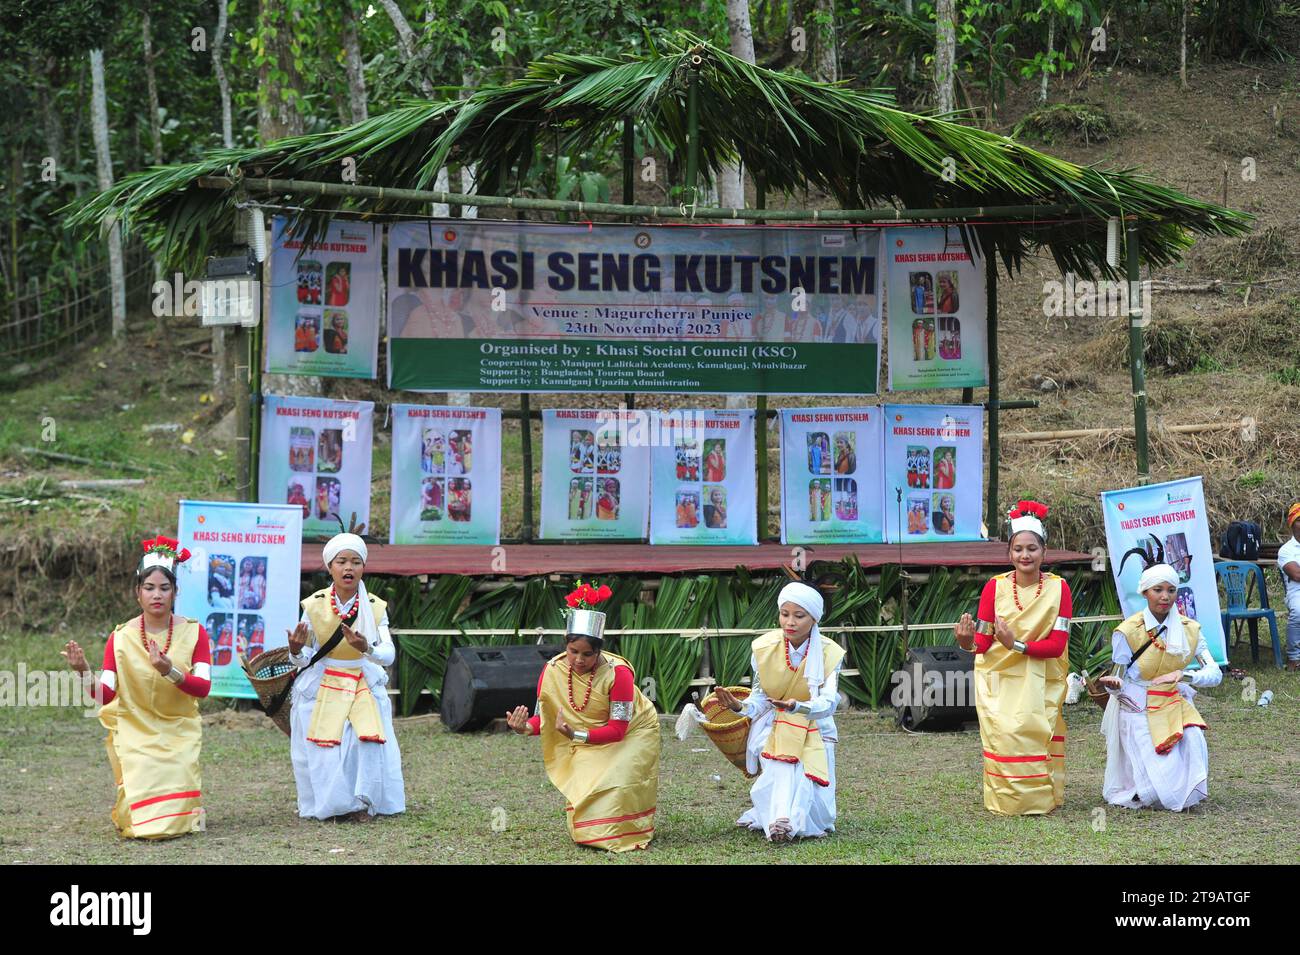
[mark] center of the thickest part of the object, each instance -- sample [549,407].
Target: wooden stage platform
[528,560]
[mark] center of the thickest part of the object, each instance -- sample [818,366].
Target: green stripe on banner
[587,365]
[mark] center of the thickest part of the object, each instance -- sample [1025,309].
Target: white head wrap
[1028,523]
[1175,638]
[814,670]
[341,542]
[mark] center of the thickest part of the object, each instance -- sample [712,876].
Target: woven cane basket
[270,673]
[728,730]
[1097,692]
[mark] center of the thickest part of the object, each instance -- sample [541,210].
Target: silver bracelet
[580,736]
[176,676]
[1018,646]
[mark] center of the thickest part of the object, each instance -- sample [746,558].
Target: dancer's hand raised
[965,631]
[727,699]
[517,720]
[298,637]
[75,656]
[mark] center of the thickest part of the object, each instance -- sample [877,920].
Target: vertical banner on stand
[446,475]
[325,302]
[702,480]
[595,475]
[1166,520]
[938,332]
[241,582]
[316,454]
[935,455]
[832,475]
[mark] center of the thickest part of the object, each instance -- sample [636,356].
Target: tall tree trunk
[825,65]
[278,117]
[78,121]
[104,167]
[219,69]
[945,53]
[352,63]
[731,178]
[151,85]
[1051,43]
[50,117]
[221,356]
[1182,48]
[406,38]
[911,60]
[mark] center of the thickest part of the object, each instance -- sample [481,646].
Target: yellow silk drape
[154,737]
[1019,699]
[1168,711]
[794,737]
[611,788]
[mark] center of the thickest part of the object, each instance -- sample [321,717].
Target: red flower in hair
[585,596]
[1030,509]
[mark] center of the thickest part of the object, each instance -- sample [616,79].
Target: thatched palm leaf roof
[798,134]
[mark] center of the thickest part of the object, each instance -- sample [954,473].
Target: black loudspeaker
[935,690]
[482,683]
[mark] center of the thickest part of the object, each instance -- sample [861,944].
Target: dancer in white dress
[1155,740]
[792,734]
[345,755]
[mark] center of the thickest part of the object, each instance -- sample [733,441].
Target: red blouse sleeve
[986,614]
[105,693]
[623,691]
[195,685]
[535,722]
[1053,645]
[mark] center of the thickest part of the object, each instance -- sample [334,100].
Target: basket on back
[270,673]
[728,730]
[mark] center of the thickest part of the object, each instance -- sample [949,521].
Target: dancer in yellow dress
[156,669]
[1020,673]
[600,739]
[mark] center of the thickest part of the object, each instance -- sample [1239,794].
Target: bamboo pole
[692,136]
[1136,323]
[526,446]
[426,196]
[1125,431]
[760,411]
[993,407]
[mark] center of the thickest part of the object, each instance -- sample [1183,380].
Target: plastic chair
[1236,577]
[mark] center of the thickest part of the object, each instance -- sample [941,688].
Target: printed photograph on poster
[934,455]
[702,481]
[520,307]
[1166,523]
[241,582]
[595,474]
[831,471]
[446,477]
[316,455]
[325,302]
[935,310]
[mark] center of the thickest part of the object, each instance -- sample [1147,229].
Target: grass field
[902,797]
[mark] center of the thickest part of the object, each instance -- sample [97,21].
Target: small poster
[325,302]
[241,583]
[446,475]
[832,467]
[934,454]
[702,481]
[316,454]
[1168,521]
[936,310]
[595,475]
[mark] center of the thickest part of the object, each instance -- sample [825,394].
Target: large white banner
[938,333]
[316,454]
[1168,522]
[325,302]
[832,475]
[241,582]
[703,484]
[595,475]
[934,455]
[446,475]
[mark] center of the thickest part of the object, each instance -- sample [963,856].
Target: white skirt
[335,780]
[1137,776]
[782,791]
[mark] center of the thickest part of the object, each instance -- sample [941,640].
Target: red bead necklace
[1015,594]
[144,641]
[334,605]
[573,703]
[786,642]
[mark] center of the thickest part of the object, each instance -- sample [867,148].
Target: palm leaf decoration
[422,660]
[741,603]
[853,144]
